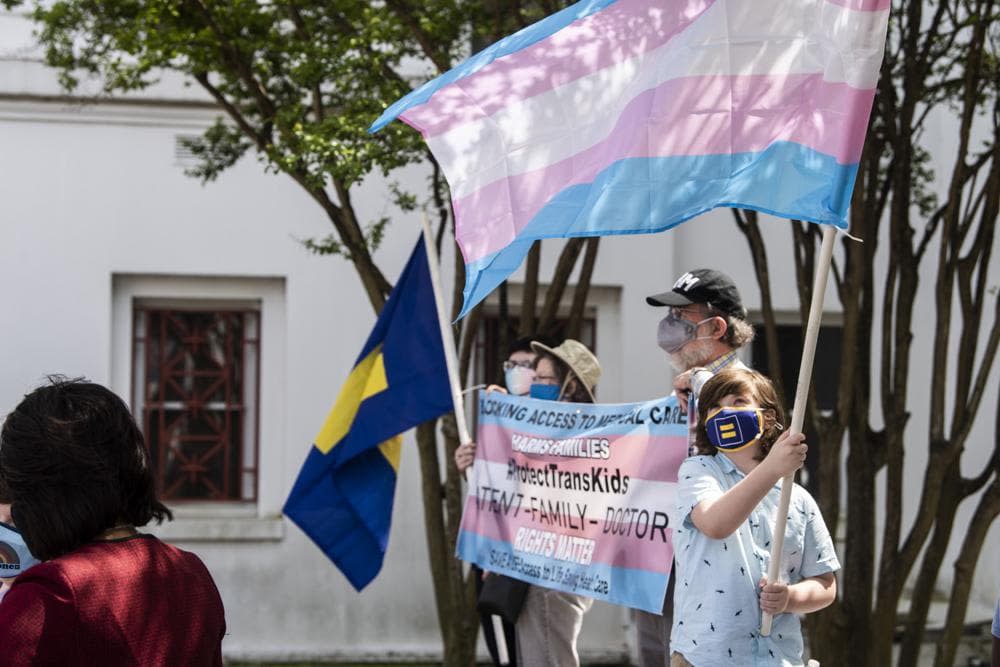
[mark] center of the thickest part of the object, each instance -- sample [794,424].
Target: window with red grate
[195,395]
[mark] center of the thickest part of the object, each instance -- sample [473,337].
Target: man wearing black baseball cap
[705,326]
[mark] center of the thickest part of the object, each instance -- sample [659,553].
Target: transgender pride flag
[632,116]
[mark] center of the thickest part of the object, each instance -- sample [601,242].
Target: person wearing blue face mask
[704,327]
[549,622]
[567,372]
[727,500]
[519,373]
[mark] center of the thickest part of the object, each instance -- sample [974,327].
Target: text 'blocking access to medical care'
[574,496]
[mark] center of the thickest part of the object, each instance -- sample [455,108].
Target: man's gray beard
[695,353]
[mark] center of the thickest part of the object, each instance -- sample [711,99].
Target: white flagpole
[503,657]
[451,361]
[447,336]
[799,409]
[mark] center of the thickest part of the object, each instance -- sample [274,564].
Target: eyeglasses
[680,311]
[507,365]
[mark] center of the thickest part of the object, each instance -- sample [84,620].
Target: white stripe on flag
[744,39]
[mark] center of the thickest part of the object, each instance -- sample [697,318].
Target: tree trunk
[454,594]
[442,573]
[925,583]
[577,311]
[747,223]
[965,568]
[560,277]
[529,297]
[503,328]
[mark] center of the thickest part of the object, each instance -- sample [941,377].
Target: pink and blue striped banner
[575,496]
[633,116]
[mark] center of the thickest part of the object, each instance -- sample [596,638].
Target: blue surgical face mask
[15,557]
[518,380]
[732,429]
[545,392]
[674,333]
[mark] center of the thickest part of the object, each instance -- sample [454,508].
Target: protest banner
[575,497]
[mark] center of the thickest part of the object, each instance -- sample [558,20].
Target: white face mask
[15,557]
[518,380]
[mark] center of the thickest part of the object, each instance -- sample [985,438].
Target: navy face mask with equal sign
[731,429]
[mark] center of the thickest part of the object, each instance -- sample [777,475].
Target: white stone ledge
[221,529]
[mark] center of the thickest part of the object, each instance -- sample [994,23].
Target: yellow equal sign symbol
[727,431]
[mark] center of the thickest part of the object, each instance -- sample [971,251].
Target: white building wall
[94,211]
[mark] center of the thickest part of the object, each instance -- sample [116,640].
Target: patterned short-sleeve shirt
[716,601]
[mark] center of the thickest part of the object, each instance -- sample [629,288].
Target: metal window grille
[195,394]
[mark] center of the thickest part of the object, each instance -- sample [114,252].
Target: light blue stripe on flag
[647,195]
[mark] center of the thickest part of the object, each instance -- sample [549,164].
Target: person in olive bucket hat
[549,622]
[575,367]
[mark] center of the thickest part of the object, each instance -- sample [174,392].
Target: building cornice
[61,109]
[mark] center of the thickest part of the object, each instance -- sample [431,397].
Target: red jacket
[132,601]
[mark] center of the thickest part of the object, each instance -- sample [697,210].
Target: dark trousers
[487,623]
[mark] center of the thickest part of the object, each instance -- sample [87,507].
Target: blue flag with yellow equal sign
[342,498]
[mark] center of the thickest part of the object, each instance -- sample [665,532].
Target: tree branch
[237,61]
[529,297]
[582,290]
[560,277]
[407,15]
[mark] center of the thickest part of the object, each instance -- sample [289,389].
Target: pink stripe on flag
[620,32]
[628,452]
[682,117]
[630,552]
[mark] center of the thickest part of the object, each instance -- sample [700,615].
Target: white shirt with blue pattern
[716,601]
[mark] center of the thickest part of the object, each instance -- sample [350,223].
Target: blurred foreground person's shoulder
[112,600]
[75,470]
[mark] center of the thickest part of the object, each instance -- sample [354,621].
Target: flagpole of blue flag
[451,361]
[799,407]
[447,335]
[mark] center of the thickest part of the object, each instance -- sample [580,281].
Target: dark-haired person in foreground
[75,470]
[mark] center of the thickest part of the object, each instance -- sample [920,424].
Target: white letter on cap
[686,282]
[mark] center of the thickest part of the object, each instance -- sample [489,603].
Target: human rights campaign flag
[342,498]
